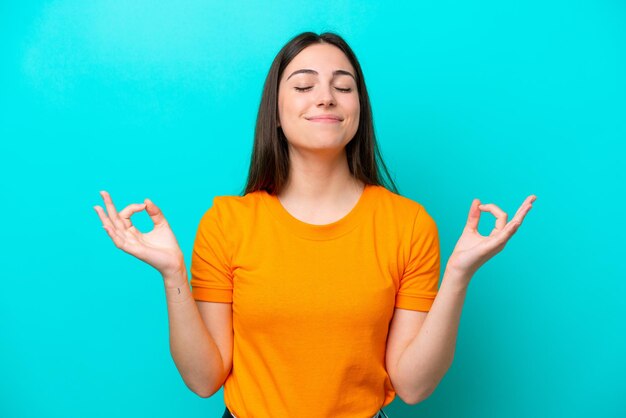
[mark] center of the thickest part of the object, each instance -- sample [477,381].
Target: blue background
[488,99]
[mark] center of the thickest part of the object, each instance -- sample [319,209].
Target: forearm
[428,357]
[194,352]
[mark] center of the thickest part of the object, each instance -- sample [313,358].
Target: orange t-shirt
[312,303]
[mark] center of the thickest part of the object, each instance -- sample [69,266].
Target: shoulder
[229,209]
[402,214]
[399,205]
[238,203]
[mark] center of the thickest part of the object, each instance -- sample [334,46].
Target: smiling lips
[325,119]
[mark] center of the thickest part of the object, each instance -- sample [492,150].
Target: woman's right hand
[158,247]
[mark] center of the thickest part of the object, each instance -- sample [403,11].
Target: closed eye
[302,89]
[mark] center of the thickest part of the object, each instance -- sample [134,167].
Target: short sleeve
[419,283]
[211,273]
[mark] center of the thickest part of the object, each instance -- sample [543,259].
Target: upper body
[315,267]
[312,304]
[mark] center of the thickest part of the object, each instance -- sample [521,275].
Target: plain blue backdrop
[488,99]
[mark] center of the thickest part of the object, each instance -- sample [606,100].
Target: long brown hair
[269,165]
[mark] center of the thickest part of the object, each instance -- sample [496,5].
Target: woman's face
[318,101]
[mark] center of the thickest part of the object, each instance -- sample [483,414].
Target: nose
[325,97]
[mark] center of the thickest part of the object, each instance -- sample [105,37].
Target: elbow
[205,388]
[205,395]
[205,392]
[417,397]
[413,397]
[421,391]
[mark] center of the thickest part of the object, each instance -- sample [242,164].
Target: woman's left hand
[473,250]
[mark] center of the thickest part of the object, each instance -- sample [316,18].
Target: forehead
[323,58]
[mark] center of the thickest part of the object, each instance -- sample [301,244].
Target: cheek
[280,112]
[280,105]
[356,111]
[289,106]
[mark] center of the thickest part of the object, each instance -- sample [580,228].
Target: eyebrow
[308,71]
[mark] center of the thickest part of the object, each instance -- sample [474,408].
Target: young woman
[315,293]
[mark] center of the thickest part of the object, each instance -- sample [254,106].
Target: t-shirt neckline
[320,232]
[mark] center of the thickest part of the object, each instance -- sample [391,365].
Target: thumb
[474,215]
[154,212]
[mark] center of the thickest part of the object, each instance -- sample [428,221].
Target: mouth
[325,119]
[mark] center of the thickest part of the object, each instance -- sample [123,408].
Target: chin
[321,146]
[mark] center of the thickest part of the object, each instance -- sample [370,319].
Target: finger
[117,240]
[501,216]
[106,222]
[111,211]
[474,215]
[128,211]
[108,226]
[524,208]
[517,220]
[154,212]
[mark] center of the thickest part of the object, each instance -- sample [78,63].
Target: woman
[314,294]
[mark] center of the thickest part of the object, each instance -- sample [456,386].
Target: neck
[320,179]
